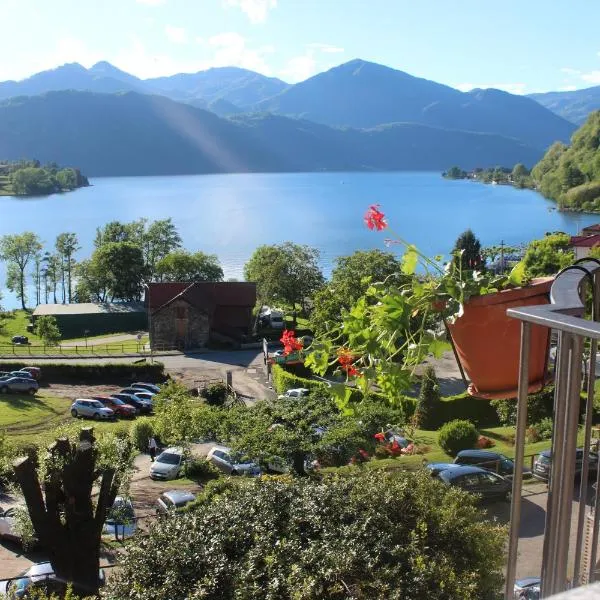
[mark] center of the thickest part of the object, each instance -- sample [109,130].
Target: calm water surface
[230,215]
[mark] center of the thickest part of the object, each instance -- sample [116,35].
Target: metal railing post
[515,507]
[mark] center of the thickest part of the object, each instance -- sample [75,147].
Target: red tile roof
[585,241]
[206,295]
[595,227]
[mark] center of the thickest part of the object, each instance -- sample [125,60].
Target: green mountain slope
[574,106]
[571,174]
[138,134]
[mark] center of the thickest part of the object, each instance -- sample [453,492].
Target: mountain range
[574,106]
[263,123]
[139,134]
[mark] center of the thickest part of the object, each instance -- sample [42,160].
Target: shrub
[545,428]
[215,394]
[457,435]
[307,558]
[539,406]
[200,468]
[463,406]
[284,380]
[140,431]
[428,407]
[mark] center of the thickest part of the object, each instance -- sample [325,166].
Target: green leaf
[341,395]
[410,260]
[517,275]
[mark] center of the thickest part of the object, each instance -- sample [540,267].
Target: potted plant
[391,329]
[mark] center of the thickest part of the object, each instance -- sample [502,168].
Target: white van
[273,317]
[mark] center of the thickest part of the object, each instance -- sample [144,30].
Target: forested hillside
[571,174]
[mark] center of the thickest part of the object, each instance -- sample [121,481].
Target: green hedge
[94,372]
[477,410]
[284,380]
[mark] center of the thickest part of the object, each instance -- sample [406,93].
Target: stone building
[187,315]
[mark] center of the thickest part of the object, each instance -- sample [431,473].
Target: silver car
[232,463]
[37,576]
[25,385]
[168,464]
[94,409]
[173,499]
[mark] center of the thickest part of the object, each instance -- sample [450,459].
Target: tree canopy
[18,251]
[467,251]
[374,535]
[350,279]
[287,273]
[548,255]
[182,265]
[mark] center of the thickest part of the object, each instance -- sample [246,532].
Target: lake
[230,215]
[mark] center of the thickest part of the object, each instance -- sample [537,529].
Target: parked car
[278,353]
[173,499]
[147,396]
[151,387]
[7,524]
[136,391]
[35,372]
[120,520]
[436,468]
[93,409]
[543,463]
[232,463]
[476,480]
[20,339]
[120,408]
[37,576]
[144,406]
[528,588]
[295,393]
[21,374]
[492,461]
[18,384]
[168,464]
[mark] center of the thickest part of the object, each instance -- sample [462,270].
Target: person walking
[152,446]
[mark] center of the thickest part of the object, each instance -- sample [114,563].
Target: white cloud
[567,88]
[177,35]
[304,66]
[570,71]
[512,88]
[329,49]
[151,2]
[299,68]
[224,50]
[592,77]
[255,10]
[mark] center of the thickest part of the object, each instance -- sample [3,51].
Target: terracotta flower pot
[488,341]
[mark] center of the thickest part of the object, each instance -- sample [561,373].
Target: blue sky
[522,46]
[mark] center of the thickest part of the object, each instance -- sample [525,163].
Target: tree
[548,255]
[160,239]
[455,173]
[66,245]
[520,171]
[285,272]
[120,270]
[373,535]
[186,266]
[17,251]
[350,279]
[467,250]
[427,413]
[66,518]
[50,274]
[47,328]
[36,275]
[31,180]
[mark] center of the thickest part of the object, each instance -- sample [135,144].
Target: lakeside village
[239,408]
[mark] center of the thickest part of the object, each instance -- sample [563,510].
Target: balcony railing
[565,316]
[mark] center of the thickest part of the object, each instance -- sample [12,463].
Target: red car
[120,408]
[35,372]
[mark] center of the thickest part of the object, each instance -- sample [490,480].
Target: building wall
[179,325]
[99,323]
[581,252]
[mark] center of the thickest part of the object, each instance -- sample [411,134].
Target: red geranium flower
[363,453]
[374,218]
[380,437]
[290,343]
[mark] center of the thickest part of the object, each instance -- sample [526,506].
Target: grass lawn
[501,435]
[15,323]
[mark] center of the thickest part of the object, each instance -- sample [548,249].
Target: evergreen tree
[429,404]
[467,250]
